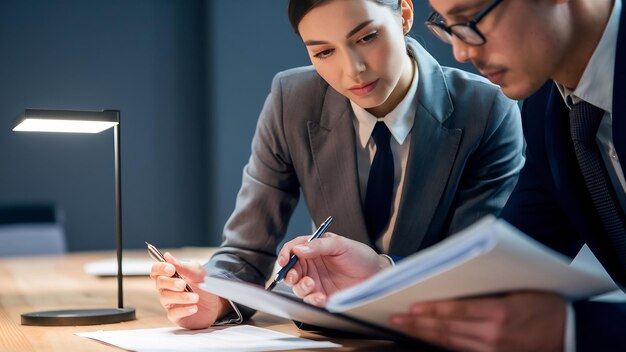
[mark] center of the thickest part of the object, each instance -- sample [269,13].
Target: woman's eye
[369,37]
[324,54]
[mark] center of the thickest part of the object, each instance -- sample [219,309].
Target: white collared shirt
[400,122]
[596,88]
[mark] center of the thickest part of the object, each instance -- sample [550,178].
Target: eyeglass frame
[472,25]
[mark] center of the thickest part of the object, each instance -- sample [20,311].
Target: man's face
[525,41]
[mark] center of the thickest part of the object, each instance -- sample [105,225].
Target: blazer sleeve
[265,202]
[493,168]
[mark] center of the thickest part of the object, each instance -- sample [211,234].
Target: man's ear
[407,16]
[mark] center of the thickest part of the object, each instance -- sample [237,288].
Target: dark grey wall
[189,77]
[143,57]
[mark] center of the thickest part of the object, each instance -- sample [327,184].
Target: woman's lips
[364,89]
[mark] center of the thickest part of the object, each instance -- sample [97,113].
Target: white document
[224,338]
[489,257]
[586,259]
[289,307]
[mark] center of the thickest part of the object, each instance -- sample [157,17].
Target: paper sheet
[224,338]
[587,260]
[130,266]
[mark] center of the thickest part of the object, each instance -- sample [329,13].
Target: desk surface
[40,283]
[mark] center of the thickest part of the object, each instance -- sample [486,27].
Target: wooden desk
[39,283]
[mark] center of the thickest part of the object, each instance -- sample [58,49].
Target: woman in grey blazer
[456,143]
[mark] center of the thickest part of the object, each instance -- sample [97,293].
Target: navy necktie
[584,122]
[377,209]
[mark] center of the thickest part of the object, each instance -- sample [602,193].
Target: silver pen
[158,256]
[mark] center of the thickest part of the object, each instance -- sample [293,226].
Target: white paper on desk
[225,338]
[489,257]
[279,305]
[130,266]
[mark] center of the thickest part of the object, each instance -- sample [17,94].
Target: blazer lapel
[333,148]
[425,180]
[424,183]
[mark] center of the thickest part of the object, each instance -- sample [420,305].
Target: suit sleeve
[268,195]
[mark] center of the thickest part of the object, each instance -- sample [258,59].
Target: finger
[293,276]
[478,330]
[171,299]
[304,287]
[162,269]
[465,309]
[285,252]
[329,245]
[170,283]
[175,314]
[190,271]
[317,299]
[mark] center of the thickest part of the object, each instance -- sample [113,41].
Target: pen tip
[271,286]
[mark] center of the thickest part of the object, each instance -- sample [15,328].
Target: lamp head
[39,120]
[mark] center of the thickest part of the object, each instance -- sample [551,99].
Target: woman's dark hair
[299,8]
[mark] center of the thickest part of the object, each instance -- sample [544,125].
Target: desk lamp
[38,120]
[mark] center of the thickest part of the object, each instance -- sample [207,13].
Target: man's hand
[328,264]
[521,321]
[190,310]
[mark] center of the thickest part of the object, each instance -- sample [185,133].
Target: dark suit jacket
[551,202]
[464,160]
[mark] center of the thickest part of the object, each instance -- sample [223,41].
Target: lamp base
[78,317]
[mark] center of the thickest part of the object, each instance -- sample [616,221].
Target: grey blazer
[464,160]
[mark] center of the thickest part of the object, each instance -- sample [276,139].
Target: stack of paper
[489,257]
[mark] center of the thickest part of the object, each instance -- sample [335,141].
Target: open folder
[488,257]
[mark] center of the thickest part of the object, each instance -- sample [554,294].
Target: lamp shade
[40,120]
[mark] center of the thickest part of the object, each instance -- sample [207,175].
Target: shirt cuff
[389,259]
[233,317]
[569,340]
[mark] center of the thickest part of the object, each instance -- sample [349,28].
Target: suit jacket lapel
[333,147]
[425,180]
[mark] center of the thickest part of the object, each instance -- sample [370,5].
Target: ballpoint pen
[158,256]
[294,258]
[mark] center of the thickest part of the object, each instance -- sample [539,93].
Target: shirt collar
[399,120]
[596,83]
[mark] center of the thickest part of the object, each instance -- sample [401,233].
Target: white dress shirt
[400,122]
[596,88]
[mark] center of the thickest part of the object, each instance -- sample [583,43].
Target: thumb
[191,271]
[329,245]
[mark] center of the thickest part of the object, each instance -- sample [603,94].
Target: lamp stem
[118,211]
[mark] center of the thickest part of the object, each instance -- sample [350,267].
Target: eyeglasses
[467,32]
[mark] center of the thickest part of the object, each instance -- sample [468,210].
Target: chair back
[31,229]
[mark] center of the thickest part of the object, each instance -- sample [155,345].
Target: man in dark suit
[567,59]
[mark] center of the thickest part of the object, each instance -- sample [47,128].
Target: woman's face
[358,47]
